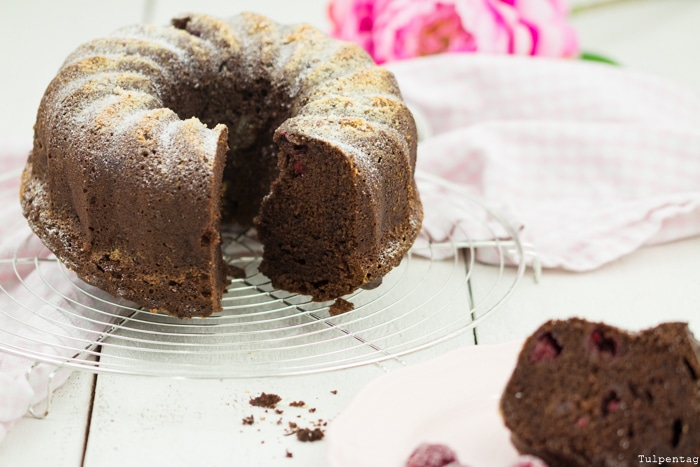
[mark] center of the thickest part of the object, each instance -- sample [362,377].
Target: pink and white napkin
[587,161]
[39,315]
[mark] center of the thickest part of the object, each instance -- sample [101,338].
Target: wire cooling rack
[49,315]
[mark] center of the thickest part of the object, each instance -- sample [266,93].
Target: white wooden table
[112,420]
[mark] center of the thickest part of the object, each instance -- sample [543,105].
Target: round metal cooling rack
[49,315]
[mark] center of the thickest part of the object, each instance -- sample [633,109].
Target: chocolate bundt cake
[147,141]
[588,394]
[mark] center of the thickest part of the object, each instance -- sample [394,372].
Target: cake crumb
[235,272]
[340,306]
[265,400]
[308,435]
[288,454]
[314,432]
[334,392]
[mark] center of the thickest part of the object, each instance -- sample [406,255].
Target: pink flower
[399,29]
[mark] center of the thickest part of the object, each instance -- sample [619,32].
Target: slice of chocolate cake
[589,394]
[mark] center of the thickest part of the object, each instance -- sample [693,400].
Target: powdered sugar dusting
[118,104]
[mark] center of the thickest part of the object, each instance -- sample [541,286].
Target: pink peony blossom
[398,29]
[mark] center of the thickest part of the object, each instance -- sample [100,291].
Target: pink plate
[452,399]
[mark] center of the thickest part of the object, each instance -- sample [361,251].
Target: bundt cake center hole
[251,110]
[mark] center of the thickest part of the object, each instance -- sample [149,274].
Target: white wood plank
[57,440]
[143,420]
[651,285]
[140,421]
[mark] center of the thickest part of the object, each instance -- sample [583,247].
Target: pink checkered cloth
[16,392]
[37,312]
[588,161]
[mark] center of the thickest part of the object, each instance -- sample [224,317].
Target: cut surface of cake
[149,140]
[590,394]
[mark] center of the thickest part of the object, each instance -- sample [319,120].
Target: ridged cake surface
[148,140]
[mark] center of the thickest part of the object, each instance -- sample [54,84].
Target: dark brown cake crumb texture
[340,306]
[235,272]
[265,400]
[314,432]
[605,396]
[308,435]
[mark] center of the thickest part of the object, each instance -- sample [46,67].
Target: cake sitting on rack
[148,140]
[588,394]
